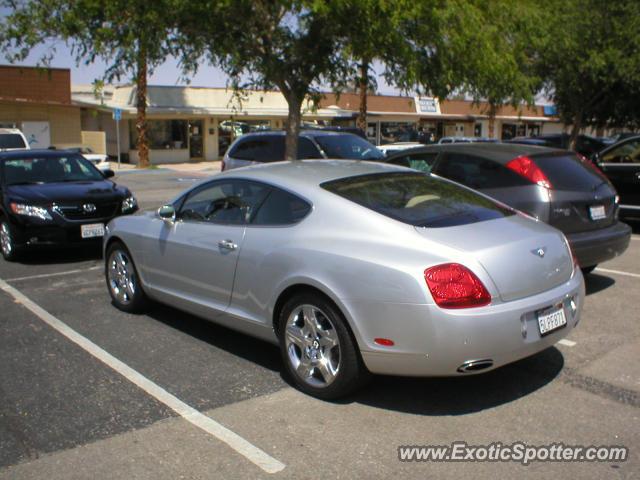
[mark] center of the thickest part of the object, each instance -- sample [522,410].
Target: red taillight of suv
[455,286]
[527,168]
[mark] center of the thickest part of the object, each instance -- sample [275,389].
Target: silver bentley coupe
[352,268]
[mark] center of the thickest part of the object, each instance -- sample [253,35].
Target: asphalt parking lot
[66,413]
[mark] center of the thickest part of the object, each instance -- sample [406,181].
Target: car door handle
[227,245]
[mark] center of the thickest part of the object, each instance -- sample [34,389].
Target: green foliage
[591,60]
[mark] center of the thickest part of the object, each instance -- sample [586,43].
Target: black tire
[10,251]
[350,373]
[588,270]
[123,281]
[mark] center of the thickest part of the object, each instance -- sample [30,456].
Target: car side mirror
[167,213]
[108,173]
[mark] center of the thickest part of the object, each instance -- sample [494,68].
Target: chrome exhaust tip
[475,365]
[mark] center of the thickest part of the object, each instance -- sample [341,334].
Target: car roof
[10,131]
[303,132]
[501,152]
[309,173]
[40,153]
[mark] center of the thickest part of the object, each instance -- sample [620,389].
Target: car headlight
[129,204]
[30,211]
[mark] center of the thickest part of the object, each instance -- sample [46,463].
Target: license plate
[92,230]
[597,212]
[551,319]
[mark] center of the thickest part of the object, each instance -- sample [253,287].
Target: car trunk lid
[523,257]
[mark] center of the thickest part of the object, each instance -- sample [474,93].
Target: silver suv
[263,147]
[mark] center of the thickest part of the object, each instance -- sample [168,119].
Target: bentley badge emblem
[539,251]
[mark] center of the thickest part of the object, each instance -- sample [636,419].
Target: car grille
[78,212]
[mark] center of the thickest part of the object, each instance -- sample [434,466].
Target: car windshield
[11,140]
[348,147]
[67,168]
[417,199]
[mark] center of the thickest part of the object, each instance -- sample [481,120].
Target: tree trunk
[363,86]
[575,130]
[294,101]
[141,106]
[492,121]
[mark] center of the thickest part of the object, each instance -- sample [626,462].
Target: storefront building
[190,124]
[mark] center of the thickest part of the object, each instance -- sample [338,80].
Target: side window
[477,172]
[423,162]
[626,153]
[245,150]
[306,149]
[281,208]
[271,149]
[228,202]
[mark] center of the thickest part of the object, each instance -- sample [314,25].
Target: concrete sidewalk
[204,167]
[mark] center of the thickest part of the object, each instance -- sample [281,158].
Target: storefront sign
[427,105]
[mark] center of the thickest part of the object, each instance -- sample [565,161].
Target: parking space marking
[618,272]
[55,274]
[190,414]
[567,343]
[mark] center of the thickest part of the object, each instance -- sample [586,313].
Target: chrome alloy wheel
[5,240]
[313,346]
[122,277]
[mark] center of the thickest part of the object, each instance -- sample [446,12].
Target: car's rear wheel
[317,348]
[123,280]
[10,250]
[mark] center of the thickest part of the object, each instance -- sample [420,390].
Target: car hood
[66,192]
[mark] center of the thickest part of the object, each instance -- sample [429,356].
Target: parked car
[621,164]
[55,197]
[352,267]
[585,144]
[265,147]
[445,140]
[555,186]
[100,160]
[390,148]
[12,139]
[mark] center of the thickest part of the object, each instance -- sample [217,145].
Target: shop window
[162,134]
[508,131]
[391,132]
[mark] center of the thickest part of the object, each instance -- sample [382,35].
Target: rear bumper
[430,341]
[597,246]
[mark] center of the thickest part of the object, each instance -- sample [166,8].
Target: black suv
[55,197]
[621,164]
[555,186]
[262,147]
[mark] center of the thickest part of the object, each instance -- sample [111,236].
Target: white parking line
[235,441]
[618,272]
[55,274]
[567,343]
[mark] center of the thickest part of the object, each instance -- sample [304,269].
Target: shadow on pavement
[462,395]
[596,282]
[51,255]
[249,348]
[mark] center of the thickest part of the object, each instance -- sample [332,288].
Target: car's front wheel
[317,348]
[9,249]
[123,280]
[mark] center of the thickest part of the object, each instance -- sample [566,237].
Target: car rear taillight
[527,168]
[455,286]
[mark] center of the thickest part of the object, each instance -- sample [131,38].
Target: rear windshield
[565,171]
[417,199]
[11,140]
[348,147]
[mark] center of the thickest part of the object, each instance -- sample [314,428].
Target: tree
[289,45]
[132,36]
[591,60]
